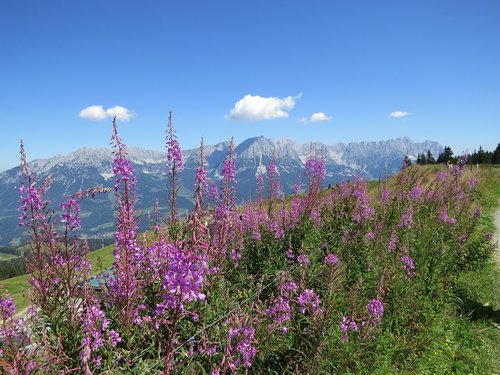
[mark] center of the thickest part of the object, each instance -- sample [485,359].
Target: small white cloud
[97,113]
[398,114]
[319,116]
[94,112]
[315,117]
[255,108]
[121,113]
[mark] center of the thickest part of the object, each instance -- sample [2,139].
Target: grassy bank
[19,286]
[465,337]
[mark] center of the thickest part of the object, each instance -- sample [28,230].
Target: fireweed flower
[441,175]
[309,301]
[376,309]
[174,165]
[7,306]
[416,192]
[385,195]
[362,211]
[278,231]
[114,337]
[94,326]
[462,161]
[472,183]
[315,172]
[296,187]
[303,260]
[462,239]
[331,259]
[182,273]
[280,312]
[393,242]
[128,254]
[296,209]
[31,197]
[347,325]
[241,347]
[370,236]
[70,214]
[406,219]
[315,217]
[443,216]
[174,154]
[408,265]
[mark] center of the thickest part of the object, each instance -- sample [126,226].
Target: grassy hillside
[4,256]
[18,286]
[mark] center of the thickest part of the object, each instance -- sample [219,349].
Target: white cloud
[398,114]
[121,113]
[97,113]
[319,116]
[255,108]
[315,117]
[94,112]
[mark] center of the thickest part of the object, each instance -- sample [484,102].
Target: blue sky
[332,71]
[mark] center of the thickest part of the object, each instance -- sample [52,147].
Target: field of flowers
[333,280]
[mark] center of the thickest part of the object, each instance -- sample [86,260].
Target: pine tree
[430,158]
[496,155]
[446,156]
[421,159]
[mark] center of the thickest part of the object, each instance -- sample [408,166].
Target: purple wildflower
[385,195]
[347,325]
[416,192]
[472,183]
[393,242]
[174,154]
[241,346]
[441,175]
[280,312]
[175,167]
[408,265]
[315,217]
[376,309]
[406,219]
[70,214]
[362,211]
[114,337]
[331,259]
[309,301]
[443,215]
[7,306]
[278,231]
[304,260]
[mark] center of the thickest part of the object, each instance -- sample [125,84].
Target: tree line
[480,156]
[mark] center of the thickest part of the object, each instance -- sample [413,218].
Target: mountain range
[88,167]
